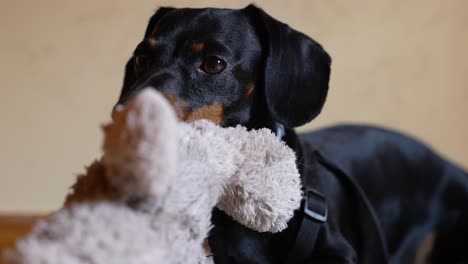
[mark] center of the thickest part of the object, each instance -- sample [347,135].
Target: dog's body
[419,197]
[420,200]
[243,67]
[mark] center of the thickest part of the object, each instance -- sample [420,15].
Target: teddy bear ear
[140,146]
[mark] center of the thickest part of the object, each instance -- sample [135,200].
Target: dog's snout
[158,81]
[179,105]
[117,107]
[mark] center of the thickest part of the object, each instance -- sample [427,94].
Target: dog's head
[231,67]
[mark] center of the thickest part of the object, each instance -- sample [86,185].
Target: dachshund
[387,197]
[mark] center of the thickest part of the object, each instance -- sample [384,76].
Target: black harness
[315,211]
[314,214]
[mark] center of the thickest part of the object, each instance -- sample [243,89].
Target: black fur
[296,71]
[414,191]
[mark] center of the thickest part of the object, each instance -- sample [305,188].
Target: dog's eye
[213,65]
[142,63]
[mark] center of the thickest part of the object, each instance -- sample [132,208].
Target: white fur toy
[149,198]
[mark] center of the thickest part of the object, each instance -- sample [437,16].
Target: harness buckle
[315,205]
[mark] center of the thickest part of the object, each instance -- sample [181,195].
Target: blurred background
[400,64]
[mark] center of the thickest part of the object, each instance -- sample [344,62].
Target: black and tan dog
[386,194]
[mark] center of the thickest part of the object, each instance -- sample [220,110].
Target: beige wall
[402,64]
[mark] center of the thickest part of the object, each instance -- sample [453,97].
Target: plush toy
[149,198]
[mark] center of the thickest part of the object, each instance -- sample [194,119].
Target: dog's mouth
[207,248]
[213,112]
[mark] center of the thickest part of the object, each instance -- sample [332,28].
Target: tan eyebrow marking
[198,47]
[152,42]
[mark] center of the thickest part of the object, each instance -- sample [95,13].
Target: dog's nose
[118,107]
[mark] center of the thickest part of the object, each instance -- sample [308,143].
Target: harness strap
[373,240]
[314,214]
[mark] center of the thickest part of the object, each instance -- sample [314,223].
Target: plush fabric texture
[149,198]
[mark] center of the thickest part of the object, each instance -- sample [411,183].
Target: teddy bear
[149,198]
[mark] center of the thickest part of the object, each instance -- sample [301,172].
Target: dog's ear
[129,77]
[155,19]
[297,70]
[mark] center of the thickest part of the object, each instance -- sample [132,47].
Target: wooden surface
[13,227]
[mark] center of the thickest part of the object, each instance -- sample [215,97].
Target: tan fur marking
[250,90]
[214,113]
[424,249]
[179,105]
[198,47]
[207,248]
[152,42]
